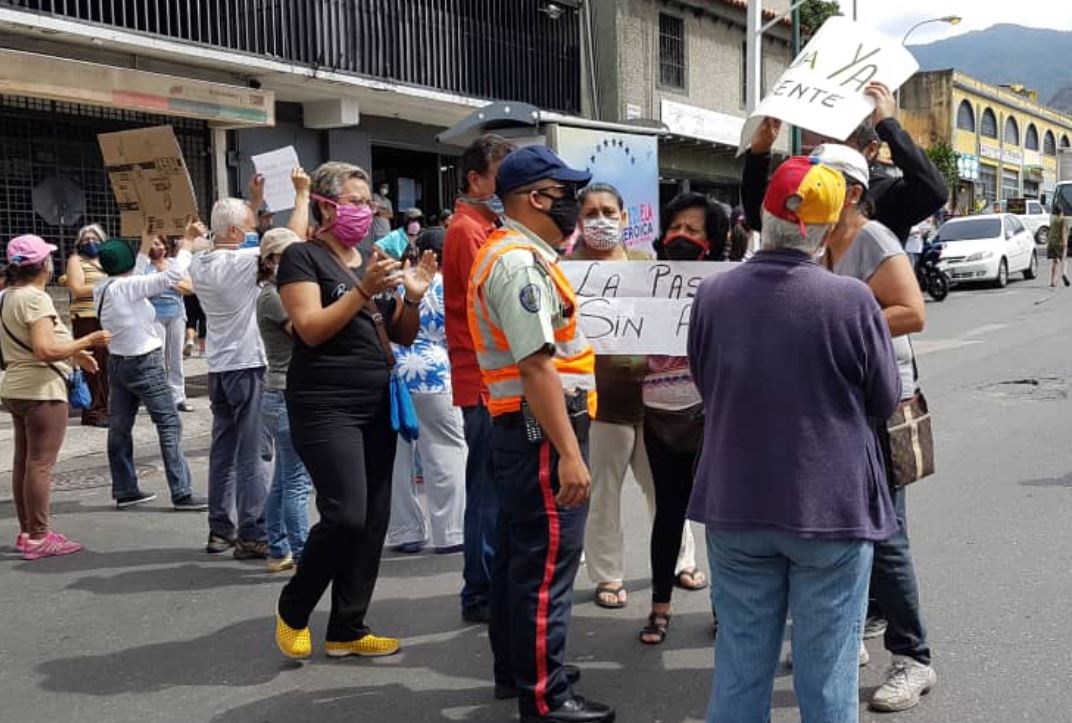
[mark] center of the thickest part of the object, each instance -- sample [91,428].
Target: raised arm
[757,162]
[299,217]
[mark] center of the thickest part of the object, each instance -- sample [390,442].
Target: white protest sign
[638,307]
[276,167]
[823,88]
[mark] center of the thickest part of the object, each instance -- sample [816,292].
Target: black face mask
[683,248]
[563,212]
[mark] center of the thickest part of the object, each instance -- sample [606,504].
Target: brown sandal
[691,579]
[606,591]
[658,624]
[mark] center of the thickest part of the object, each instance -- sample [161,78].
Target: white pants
[440,453]
[612,449]
[173,334]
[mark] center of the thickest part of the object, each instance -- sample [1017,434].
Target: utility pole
[795,142]
[754,54]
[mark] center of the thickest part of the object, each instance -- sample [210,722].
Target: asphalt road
[144,626]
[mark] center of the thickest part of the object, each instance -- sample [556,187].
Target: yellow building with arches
[1006,141]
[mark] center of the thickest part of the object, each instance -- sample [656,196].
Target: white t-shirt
[127,312]
[226,285]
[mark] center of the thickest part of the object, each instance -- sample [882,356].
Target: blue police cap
[535,163]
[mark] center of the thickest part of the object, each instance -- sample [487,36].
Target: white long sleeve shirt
[225,282]
[127,312]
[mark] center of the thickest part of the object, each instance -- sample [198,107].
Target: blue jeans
[134,380]
[481,510]
[756,578]
[237,472]
[895,592]
[286,511]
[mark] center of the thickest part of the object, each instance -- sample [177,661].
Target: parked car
[1033,215]
[987,248]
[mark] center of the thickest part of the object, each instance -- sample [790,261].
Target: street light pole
[949,19]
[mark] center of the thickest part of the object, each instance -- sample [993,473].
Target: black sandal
[604,590]
[691,579]
[658,624]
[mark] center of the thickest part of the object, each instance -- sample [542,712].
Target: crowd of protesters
[431,385]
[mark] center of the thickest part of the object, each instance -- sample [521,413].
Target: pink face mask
[352,223]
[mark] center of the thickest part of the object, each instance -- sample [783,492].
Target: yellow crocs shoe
[370,646]
[291,642]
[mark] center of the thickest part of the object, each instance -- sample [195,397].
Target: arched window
[1064,142]
[1049,144]
[988,126]
[1031,139]
[1012,132]
[966,117]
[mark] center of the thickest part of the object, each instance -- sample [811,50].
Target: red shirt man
[469,229]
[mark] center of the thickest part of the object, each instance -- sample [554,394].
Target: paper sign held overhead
[823,88]
[149,178]
[276,167]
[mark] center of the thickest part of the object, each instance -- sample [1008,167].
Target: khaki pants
[614,448]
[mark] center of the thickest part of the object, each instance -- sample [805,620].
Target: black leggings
[350,458]
[671,473]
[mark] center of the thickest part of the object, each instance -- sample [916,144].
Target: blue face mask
[253,239]
[493,203]
[90,250]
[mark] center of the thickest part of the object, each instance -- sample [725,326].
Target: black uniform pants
[538,549]
[349,455]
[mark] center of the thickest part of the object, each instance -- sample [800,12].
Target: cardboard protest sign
[276,167]
[822,90]
[149,178]
[638,307]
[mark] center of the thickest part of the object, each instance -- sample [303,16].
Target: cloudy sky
[894,17]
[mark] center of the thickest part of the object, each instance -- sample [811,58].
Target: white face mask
[601,234]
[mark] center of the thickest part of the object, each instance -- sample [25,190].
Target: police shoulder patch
[529,296]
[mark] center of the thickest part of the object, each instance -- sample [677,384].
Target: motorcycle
[931,278]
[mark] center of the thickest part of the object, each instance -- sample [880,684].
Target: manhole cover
[1041,389]
[88,479]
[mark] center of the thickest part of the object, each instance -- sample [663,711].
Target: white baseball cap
[847,160]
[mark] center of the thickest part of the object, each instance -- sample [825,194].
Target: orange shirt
[469,230]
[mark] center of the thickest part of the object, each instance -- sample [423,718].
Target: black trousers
[671,472]
[349,455]
[538,549]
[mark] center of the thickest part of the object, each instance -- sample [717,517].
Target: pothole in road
[1040,389]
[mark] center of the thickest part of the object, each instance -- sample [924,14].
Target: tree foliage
[944,159]
[813,13]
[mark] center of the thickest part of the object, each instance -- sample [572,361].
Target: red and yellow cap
[805,191]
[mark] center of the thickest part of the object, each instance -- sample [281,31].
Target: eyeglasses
[346,201]
[568,191]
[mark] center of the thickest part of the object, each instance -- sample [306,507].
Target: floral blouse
[424,366]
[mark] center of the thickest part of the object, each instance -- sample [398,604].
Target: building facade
[367,81]
[682,63]
[1006,141]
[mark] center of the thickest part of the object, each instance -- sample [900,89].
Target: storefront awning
[74,81]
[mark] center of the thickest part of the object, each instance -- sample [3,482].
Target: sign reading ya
[638,307]
[823,88]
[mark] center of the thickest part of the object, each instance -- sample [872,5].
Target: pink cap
[28,249]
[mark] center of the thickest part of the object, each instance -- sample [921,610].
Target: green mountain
[1005,54]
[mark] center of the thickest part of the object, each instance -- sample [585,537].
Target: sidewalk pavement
[83,460]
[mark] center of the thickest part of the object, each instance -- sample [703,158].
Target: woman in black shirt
[339,406]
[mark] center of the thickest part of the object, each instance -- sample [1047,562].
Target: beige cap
[276,240]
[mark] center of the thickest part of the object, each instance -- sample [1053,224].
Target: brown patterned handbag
[911,442]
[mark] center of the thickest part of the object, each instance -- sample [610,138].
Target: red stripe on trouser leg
[543,599]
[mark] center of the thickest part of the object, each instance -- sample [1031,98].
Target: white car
[1033,215]
[986,248]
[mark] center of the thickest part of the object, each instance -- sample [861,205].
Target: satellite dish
[59,201]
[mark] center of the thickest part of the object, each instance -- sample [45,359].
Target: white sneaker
[906,681]
[875,627]
[864,657]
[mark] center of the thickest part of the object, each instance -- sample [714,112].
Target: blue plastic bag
[78,395]
[403,413]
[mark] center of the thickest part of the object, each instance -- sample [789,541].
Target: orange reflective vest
[574,358]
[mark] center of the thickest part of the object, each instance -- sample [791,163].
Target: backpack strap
[104,291]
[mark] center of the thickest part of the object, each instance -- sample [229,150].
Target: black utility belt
[576,409]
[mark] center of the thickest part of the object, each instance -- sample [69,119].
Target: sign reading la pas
[638,307]
[823,88]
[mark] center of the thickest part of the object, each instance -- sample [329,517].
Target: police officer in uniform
[539,371]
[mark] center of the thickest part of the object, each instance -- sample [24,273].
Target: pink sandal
[51,545]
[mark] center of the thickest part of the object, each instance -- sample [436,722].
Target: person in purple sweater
[790,481]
